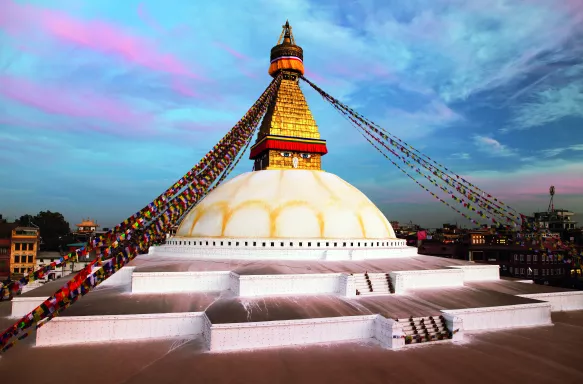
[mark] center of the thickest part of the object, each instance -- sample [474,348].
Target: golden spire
[288,136]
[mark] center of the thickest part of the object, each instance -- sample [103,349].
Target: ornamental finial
[286,55]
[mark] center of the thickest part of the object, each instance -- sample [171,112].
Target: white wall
[479,272]
[510,316]
[560,301]
[280,249]
[437,278]
[83,329]
[226,337]
[321,283]
[121,277]
[154,282]
[24,305]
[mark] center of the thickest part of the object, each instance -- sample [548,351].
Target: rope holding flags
[220,153]
[463,186]
[152,226]
[458,188]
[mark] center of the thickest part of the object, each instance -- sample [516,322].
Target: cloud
[492,147]
[71,103]
[531,179]
[553,152]
[461,156]
[106,38]
[548,106]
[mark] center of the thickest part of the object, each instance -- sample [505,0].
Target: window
[229,244]
[515,257]
[263,244]
[522,271]
[309,244]
[17,258]
[534,258]
[246,243]
[528,258]
[29,259]
[511,269]
[327,244]
[254,243]
[536,271]
[214,243]
[291,244]
[318,244]
[237,244]
[17,246]
[300,243]
[521,257]
[272,244]
[335,244]
[344,244]
[221,243]
[281,244]
[352,244]
[30,246]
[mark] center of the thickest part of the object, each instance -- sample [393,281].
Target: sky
[104,104]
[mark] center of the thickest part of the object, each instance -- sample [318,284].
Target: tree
[25,220]
[52,226]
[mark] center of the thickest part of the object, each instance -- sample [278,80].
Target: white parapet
[283,249]
[455,325]
[24,305]
[84,329]
[560,301]
[389,333]
[479,272]
[237,336]
[509,316]
[121,277]
[321,283]
[430,278]
[163,282]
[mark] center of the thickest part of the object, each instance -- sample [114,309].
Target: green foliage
[52,226]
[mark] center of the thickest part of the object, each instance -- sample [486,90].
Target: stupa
[287,207]
[288,255]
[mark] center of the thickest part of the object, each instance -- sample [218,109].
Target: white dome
[286,204]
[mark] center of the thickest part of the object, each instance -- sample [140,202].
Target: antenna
[551,207]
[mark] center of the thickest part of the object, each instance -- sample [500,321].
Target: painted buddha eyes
[302,155]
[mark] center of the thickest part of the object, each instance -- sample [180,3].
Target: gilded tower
[288,137]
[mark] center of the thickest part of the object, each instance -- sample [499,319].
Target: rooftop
[533,355]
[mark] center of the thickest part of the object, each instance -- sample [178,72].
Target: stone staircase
[425,329]
[373,284]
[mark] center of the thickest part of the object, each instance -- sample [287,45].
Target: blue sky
[104,103]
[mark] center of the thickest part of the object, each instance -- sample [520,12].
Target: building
[290,255]
[46,258]
[24,248]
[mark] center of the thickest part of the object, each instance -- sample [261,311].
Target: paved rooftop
[528,355]
[146,263]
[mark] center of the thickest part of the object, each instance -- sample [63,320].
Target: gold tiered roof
[289,115]
[288,136]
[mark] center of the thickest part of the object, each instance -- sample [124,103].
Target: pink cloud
[72,103]
[531,183]
[100,36]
